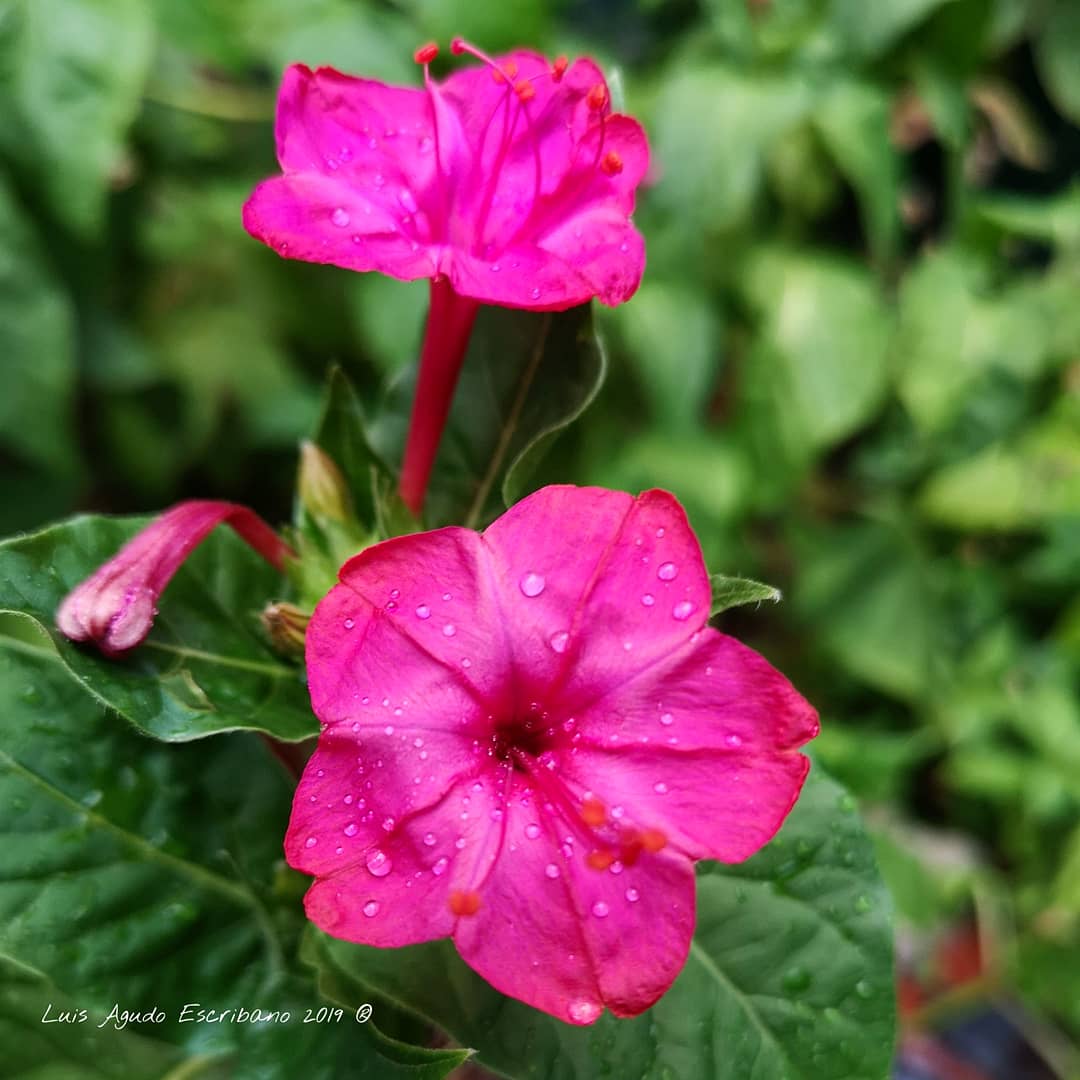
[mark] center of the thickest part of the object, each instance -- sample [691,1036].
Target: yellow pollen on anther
[599,860]
[611,163]
[593,812]
[463,902]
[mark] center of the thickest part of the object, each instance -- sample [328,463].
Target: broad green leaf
[789,975]
[870,29]
[1021,485]
[671,333]
[526,377]
[71,72]
[729,592]
[206,667]
[1054,219]
[35,1045]
[37,343]
[138,876]
[853,120]
[1057,47]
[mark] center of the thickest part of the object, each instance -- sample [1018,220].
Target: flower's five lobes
[531,736]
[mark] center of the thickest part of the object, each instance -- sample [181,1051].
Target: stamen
[593,812]
[508,71]
[653,840]
[426,53]
[524,89]
[599,859]
[464,902]
[611,163]
[558,68]
[597,97]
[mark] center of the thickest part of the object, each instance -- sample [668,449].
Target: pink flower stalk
[510,184]
[115,607]
[529,736]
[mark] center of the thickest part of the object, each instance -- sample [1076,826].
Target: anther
[593,812]
[597,97]
[653,840]
[611,163]
[599,860]
[426,53]
[558,68]
[524,89]
[464,902]
[457,46]
[508,70]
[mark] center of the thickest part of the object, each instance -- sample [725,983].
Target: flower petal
[624,586]
[553,932]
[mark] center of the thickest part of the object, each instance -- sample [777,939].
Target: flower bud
[285,624]
[321,486]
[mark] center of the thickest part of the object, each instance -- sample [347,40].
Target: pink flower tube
[115,607]
[530,735]
[511,183]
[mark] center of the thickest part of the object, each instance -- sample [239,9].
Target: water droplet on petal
[371,908]
[667,719]
[349,624]
[440,867]
[667,571]
[583,1012]
[532,830]
[405,197]
[532,584]
[378,863]
[551,871]
[340,218]
[682,610]
[733,741]
[423,612]
[449,630]
[535,294]
[633,895]
[429,839]
[495,268]
[559,641]
[600,909]
[310,842]
[350,829]
[660,788]
[648,599]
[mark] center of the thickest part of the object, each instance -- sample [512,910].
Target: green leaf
[853,121]
[870,29]
[1057,47]
[37,343]
[526,377]
[33,1047]
[71,72]
[205,668]
[139,876]
[1054,219]
[729,592]
[789,975]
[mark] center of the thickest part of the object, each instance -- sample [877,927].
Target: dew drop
[440,867]
[733,741]
[667,719]
[423,612]
[532,830]
[348,800]
[310,842]
[667,571]
[633,895]
[682,610]
[660,788]
[616,867]
[864,989]
[340,218]
[551,871]
[349,624]
[583,1012]
[389,729]
[449,630]
[408,203]
[532,584]
[466,662]
[429,839]
[559,641]
[648,599]
[495,268]
[378,863]
[535,294]
[600,909]
[371,908]
[350,829]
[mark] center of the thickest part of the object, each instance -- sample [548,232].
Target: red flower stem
[446,340]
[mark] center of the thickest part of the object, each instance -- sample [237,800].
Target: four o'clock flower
[508,183]
[529,736]
[115,607]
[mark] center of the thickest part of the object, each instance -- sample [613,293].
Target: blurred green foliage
[855,356]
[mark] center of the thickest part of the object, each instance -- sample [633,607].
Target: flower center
[521,740]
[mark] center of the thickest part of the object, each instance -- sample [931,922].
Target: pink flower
[115,607]
[510,183]
[530,735]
